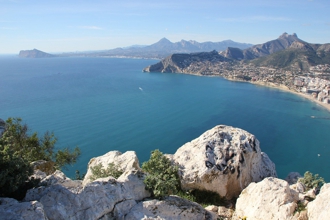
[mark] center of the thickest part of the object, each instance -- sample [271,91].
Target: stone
[271,198]
[224,160]
[103,198]
[320,208]
[300,215]
[225,213]
[44,166]
[299,187]
[125,161]
[212,208]
[12,209]
[171,208]
[57,178]
[293,177]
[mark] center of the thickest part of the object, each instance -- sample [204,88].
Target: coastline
[272,85]
[286,89]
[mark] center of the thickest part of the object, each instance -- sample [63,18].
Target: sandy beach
[284,88]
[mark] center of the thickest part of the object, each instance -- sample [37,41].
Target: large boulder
[271,198]
[171,208]
[320,208]
[224,160]
[125,161]
[63,198]
[12,209]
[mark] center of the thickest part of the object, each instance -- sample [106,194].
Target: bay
[104,104]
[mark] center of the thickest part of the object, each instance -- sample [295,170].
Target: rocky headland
[287,63]
[34,54]
[224,159]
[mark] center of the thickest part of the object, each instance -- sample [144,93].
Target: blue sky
[72,25]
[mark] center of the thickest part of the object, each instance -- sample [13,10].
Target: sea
[106,104]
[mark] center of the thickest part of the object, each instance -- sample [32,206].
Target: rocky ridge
[224,159]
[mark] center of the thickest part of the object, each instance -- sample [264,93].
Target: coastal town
[313,84]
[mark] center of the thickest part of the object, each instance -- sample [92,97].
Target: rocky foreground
[224,160]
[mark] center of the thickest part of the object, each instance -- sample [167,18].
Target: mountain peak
[286,35]
[164,40]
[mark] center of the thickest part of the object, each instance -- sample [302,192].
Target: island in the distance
[34,54]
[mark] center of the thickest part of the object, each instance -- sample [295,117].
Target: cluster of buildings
[309,83]
[316,87]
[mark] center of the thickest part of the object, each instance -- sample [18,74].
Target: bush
[31,148]
[18,149]
[99,172]
[311,181]
[162,177]
[203,197]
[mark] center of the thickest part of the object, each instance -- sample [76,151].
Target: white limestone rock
[99,199]
[171,208]
[225,213]
[126,161]
[57,178]
[319,209]
[224,160]
[12,209]
[271,198]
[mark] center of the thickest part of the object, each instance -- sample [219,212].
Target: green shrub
[311,181]
[162,177]
[18,149]
[99,172]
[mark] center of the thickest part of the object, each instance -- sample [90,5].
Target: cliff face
[34,54]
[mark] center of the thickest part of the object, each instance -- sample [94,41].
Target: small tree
[18,149]
[162,177]
[31,148]
[311,181]
[99,172]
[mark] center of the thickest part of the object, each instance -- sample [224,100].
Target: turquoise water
[102,104]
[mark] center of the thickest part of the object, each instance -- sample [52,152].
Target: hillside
[282,42]
[300,56]
[34,54]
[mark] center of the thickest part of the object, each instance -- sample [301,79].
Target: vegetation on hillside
[311,181]
[18,148]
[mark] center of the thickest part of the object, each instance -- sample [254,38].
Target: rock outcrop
[271,198]
[105,197]
[319,209]
[12,209]
[171,208]
[224,160]
[125,161]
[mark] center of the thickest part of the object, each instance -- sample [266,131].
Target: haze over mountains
[159,50]
[287,52]
[164,48]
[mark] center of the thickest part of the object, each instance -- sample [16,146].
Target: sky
[82,25]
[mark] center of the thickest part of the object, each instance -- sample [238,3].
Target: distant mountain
[284,41]
[34,54]
[287,52]
[299,56]
[164,48]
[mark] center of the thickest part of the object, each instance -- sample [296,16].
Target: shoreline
[272,85]
[286,89]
